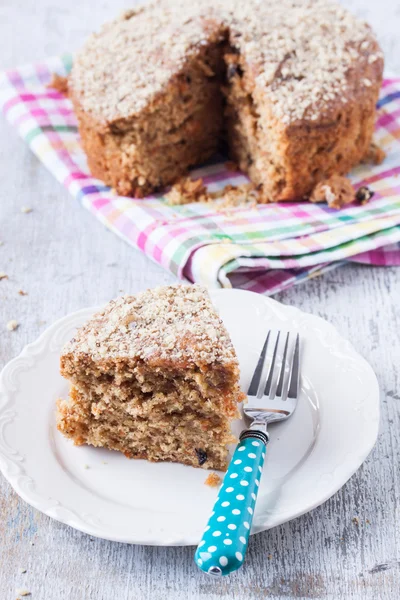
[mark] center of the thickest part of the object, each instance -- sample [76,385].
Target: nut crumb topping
[175,324]
[304,55]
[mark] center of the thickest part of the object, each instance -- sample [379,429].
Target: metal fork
[272,397]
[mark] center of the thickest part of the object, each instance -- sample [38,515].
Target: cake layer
[188,436]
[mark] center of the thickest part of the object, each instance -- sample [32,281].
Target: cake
[154,376]
[289,86]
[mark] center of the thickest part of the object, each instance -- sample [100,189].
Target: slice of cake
[154,376]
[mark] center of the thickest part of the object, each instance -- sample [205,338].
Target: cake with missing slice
[289,85]
[154,376]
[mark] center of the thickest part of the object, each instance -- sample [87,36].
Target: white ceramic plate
[106,495]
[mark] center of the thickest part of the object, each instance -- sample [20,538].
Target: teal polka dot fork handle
[224,542]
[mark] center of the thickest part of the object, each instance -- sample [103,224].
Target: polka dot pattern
[226,535]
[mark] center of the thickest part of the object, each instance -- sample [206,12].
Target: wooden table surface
[65,260]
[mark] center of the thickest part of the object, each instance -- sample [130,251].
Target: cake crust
[300,80]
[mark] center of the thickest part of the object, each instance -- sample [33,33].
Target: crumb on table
[3,276]
[26,209]
[11,325]
[59,83]
[337,191]
[22,592]
[187,190]
[213,480]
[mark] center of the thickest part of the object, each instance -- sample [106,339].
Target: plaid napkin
[265,249]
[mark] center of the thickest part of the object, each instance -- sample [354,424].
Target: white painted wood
[65,260]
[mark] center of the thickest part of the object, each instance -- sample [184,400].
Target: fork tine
[255,382]
[279,387]
[295,374]
[271,368]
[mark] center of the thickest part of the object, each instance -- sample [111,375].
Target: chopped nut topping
[300,52]
[176,322]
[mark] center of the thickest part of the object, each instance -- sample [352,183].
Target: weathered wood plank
[50,252]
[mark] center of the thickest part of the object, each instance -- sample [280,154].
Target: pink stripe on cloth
[266,249]
[384,257]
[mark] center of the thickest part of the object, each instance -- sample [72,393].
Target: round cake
[289,87]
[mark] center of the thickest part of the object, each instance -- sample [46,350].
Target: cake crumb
[3,276]
[337,191]
[22,293]
[26,209]
[364,194]
[269,556]
[59,83]
[22,570]
[187,190]
[22,592]
[86,467]
[12,325]
[213,480]
[356,521]
[374,156]
[368,522]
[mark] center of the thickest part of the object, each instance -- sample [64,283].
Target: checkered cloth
[265,249]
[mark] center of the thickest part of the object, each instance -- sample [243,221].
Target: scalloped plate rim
[352,467]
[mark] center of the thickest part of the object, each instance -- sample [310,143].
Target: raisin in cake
[154,376]
[290,85]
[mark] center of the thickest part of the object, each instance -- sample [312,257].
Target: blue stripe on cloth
[387,99]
